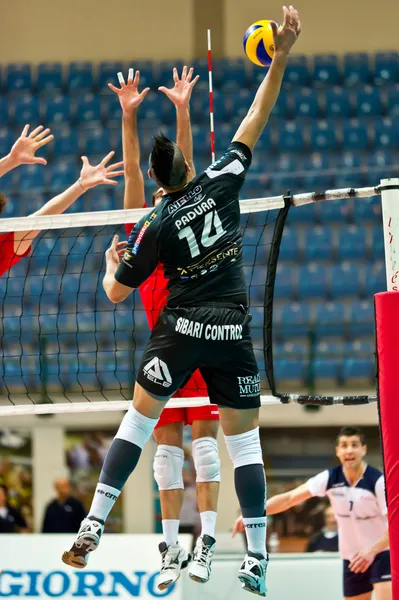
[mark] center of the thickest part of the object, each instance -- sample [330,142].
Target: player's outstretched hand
[180,94]
[115,252]
[286,36]
[361,561]
[128,94]
[24,149]
[91,176]
[238,526]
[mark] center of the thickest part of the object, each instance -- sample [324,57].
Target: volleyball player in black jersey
[195,233]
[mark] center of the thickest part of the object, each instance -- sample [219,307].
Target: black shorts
[214,339]
[361,583]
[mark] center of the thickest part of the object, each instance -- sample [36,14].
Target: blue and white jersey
[360,510]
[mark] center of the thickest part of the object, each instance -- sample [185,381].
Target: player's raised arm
[90,177]
[24,149]
[180,95]
[258,115]
[130,99]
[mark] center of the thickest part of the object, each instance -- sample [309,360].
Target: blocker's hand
[91,176]
[286,36]
[361,561]
[238,526]
[128,94]
[180,94]
[115,252]
[23,151]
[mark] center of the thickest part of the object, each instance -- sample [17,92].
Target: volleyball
[258,43]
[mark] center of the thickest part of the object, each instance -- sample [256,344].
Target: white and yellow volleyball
[258,43]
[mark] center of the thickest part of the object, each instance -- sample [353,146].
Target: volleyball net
[66,348]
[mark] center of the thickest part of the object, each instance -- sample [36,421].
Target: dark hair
[350,431]
[167,163]
[3,202]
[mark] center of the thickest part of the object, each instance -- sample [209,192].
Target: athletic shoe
[174,559]
[253,573]
[85,542]
[200,568]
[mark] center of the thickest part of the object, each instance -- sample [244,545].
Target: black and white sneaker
[253,573]
[201,567]
[174,559]
[86,541]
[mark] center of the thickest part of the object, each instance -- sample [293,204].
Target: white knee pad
[168,467]
[206,459]
[245,448]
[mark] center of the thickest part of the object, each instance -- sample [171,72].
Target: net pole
[210,76]
[387,337]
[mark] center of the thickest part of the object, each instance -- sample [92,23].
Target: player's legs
[383,590]
[207,465]
[381,576]
[122,457]
[366,596]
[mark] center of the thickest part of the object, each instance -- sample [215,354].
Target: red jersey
[154,294]
[8,258]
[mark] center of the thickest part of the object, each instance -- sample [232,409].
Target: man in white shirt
[357,495]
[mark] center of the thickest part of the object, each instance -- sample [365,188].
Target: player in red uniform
[16,244]
[169,458]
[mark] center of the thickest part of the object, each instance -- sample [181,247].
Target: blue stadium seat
[57,110]
[110,109]
[31,178]
[95,140]
[377,245]
[289,249]
[312,281]
[316,161]
[368,210]
[49,77]
[346,280]
[302,214]
[338,103]
[150,108]
[326,69]
[362,347]
[393,101]
[7,139]
[80,77]
[282,107]
[201,140]
[306,103]
[357,69]
[348,160]
[361,318]
[352,242]
[368,102]
[291,136]
[18,77]
[290,370]
[358,369]
[107,73]
[330,319]
[25,109]
[237,73]
[356,135]
[4,112]
[385,134]
[65,142]
[61,176]
[326,369]
[386,69]
[285,281]
[292,320]
[297,71]
[318,243]
[241,103]
[317,181]
[323,136]
[87,108]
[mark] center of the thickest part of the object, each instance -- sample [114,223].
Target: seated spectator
[11,520]
[325,540]
[65,513]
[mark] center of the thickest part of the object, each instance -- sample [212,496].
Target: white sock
[255,529]
[208,523]
[170,528]
[104,499]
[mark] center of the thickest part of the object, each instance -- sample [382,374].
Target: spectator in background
[11,520]
[325,540]
[64,513]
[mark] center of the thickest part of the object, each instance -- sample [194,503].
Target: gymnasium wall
[45,30]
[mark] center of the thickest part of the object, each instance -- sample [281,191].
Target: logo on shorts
[158,372]
[249,386]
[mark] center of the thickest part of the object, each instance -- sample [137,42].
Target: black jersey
[195,233]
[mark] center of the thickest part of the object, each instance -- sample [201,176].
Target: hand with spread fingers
[286,35]
[180,94]
[129,96]
[24,149]
[91,176]
[115,252]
